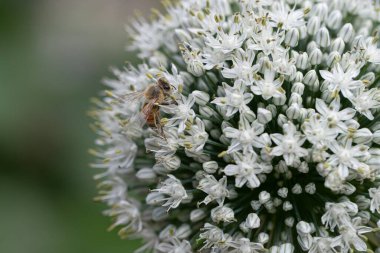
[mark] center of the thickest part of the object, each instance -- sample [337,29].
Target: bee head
[164,84]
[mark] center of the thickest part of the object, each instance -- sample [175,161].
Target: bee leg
[158,126]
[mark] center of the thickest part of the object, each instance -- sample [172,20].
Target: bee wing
[127,97]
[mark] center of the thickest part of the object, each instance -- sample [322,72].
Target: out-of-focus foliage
[53,56]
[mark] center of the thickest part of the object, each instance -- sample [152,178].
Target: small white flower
[235,100]
[269,86]
[216,190]
[289,145]
[225,42]
[244,138]
[245,170]
[175,246]
[244,245]
[283,17]
[375,199]
[175,191]
[341,80]
[183,112]
[366,101]
[347,157]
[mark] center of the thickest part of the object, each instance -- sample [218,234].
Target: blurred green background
[53,54]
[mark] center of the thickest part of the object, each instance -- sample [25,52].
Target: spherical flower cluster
[267,139]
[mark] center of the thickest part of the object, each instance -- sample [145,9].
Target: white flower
[183,112]
[347,157]
[372,52]
[332,114]
[244,138]
[341,80]
[216,190]
[319,131]
[243,66]
[283,17]
[338,214]
[268,87]
[225,42]
[266,41]
[173,188]
[289,145]
[235,99]
[366,101]
[175,246]
[246,170]
[244,245]
[375,199]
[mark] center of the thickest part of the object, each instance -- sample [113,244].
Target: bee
[155,95]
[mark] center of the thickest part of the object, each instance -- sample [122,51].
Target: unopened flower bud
[298,88]
[210,167]
[252,221]
[146,174]
[334,19]
[292,37]
[346,32]
[323,37]
[302,61]
[264,115]
[198,214]
[313,25]
[337,45]
[316,57]
[201,97]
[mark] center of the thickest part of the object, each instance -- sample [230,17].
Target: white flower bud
[215,133]
[303,168]
[154,198]
[270,206]
[286,248]
[255,204]
[321,10]
[297,189]
[293,112]
[295,98]
[281,100]
[365,216]
[222,213]
[298,88]
[376,137]
[287,206]
[281,120]
[207,112]
[171,163]
[368,78]
[323,37]
[264,197]
[316,57]
[263,116]
[159,214]
[198,214]
[146,174]
[283,192]
[311,46]
[201,97]
[310,188]
[303,32]
[210,167]
[289,221]
[362,202]
[333,58]
[303,228]
[273,109]
[334,20]
[252,221]
[292,37]
[277,202]
[363,136]
[302,61]
[313,25]
[337,45]
[346,32]
[298,77]
[263,238]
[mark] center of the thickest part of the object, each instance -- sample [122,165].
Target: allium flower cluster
[269,140]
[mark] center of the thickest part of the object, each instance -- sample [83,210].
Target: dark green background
[53,54]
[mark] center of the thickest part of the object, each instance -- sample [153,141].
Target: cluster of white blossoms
[273,141]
